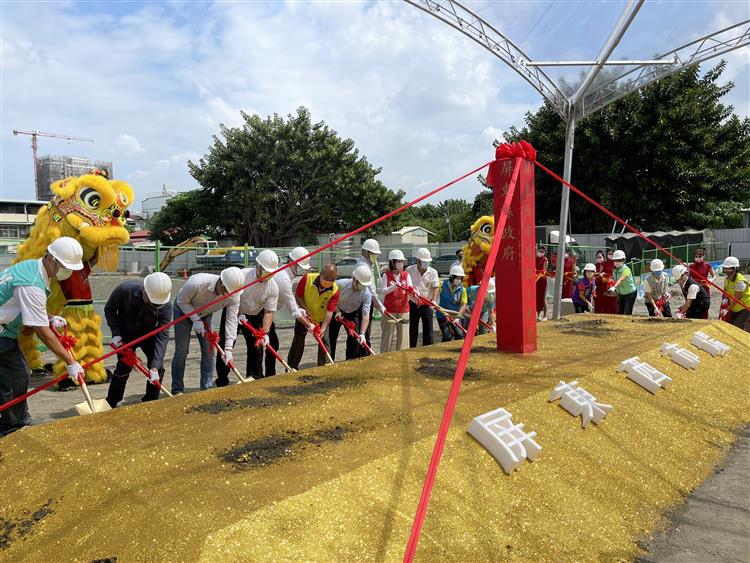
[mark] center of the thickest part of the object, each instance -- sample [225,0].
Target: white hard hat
[678,271]
[589,268]
[618,255]
[423,255]
[396,255]
[491,286]
[232,278]
[298,253]
[457,271]
[371,245]
[68,252]
[730,262]
[363,275]
[158,287]
[268,260]
[656,265]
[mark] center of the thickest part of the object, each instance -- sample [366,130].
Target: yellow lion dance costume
[92,209]
[477,249]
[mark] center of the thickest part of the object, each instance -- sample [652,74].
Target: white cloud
[128,144]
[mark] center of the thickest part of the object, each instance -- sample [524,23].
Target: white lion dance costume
[92,209]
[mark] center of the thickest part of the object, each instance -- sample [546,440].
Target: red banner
[515,268]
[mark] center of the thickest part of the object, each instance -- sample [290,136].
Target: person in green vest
[624,285]
[738,287]
[24,288]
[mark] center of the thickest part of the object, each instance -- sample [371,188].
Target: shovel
[351,331]
[256,334]
[137,364]
[213,339]
[89,406]
[316,335]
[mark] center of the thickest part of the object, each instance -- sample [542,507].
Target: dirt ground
[327,464]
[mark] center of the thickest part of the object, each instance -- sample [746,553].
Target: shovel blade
[100,405]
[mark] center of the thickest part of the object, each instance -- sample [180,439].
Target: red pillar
[514,269]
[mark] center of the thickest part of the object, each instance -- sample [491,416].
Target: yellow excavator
[180,249]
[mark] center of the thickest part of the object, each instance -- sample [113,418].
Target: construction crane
[35,146]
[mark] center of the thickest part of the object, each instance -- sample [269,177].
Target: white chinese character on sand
[704,342]
[648,377]
[509,444]
[577,401]
[680,356]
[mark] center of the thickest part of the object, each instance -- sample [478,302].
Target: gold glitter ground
[341,454]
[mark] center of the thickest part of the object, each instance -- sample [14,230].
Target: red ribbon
[129,357]
[68,341]
[212,337]
[520,149]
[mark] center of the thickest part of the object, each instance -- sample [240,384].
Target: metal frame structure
[587,99]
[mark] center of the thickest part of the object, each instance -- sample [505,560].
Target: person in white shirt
[284,280]
[257,307]
[198,291]
[459,261]
[24,288]
[427,283]
[370,253]
[656,289]
[354,305]
[396,282]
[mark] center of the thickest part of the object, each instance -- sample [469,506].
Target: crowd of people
[320,304]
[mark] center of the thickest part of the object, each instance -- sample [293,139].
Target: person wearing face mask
[318,295]
[396,303]
[135,308]
[656,290]
[199,290]
[354,305]
[605,303]
[459,261]
[736,285]
[24,288]
[427,283]
[583,296]
[541,265]
[569,274]
[284,280]
[624,286]
[258,304]
[701,271]
[369,256]
[696,297]
[453,297]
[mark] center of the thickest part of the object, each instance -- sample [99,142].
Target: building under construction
[51,168]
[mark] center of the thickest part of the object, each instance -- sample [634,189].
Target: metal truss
[702,49]
[467,22]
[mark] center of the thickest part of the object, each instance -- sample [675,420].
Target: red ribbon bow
[128,357]
[212,337]
[521,149]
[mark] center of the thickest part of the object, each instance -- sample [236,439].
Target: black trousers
[254,363]
[625,303]
[14,382]
[666,310]
[579,308]
[121,374]
[449,331]
[353,348]
[298,346]
[417,314]
[273,340]
[369,325]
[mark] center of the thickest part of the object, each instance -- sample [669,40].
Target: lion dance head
[477,249]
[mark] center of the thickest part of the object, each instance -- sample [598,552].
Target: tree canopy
[670,156]
[274,178]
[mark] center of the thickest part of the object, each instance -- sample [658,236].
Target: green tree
[670,156]
[274,178]
[186,215]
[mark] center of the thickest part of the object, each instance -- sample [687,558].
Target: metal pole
[157,258]
[564,206]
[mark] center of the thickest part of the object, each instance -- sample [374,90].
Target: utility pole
[35,145]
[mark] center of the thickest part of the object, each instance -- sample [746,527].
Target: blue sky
[151,82]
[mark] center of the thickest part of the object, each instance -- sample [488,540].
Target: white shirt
[199,290]
[259,297]
[426,283]
[28,301]
[350,300]
[283,280]
[362,261]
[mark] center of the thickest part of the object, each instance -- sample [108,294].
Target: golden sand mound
[327,465]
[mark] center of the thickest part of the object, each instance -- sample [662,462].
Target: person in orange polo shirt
[318,295]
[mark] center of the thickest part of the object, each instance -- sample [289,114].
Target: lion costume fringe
[92,209]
